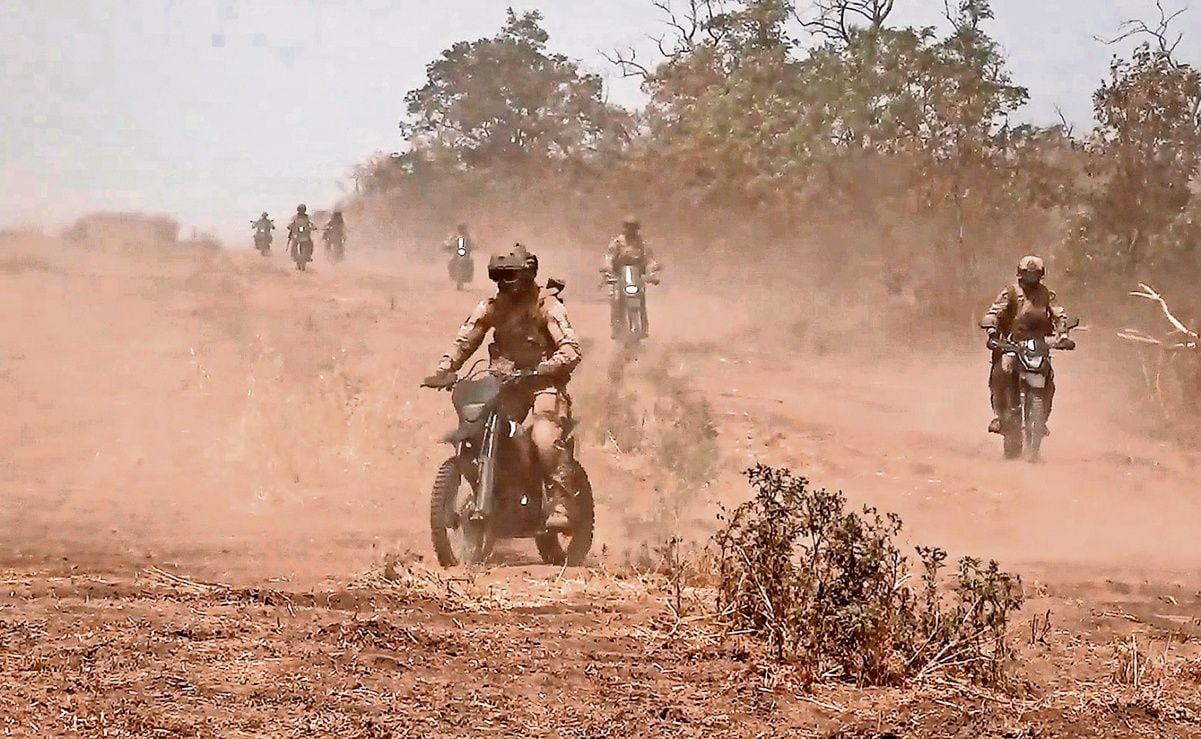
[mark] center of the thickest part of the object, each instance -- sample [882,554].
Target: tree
[506,103]
[1139,216]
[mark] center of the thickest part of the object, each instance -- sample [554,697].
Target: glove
[1065,344]
[440,380]
[992,342]
[652,280]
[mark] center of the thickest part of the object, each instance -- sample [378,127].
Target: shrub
[828,591]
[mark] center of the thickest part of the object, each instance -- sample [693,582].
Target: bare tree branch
[1149,293]
[688,28]
[1161,33]
[836,19]
[626,61]
[1066,127]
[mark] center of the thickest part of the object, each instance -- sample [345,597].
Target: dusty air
[651,368]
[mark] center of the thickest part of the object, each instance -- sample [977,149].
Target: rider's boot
[560,496]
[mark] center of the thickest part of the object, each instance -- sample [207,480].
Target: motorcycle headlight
[631,289]
[1033,361]
[462,252]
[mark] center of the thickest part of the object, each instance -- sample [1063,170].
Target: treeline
[835,134]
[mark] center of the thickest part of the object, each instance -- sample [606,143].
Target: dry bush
[828,591]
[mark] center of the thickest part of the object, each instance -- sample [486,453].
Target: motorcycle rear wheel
[582,516]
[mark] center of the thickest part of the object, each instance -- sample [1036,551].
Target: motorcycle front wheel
[1036,425]
[457,539]
[571,547]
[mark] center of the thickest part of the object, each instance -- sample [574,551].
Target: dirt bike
[1024,423]
[492,488]
[335,245]
[629,290]
[262,241]
[461,266]
[300,243]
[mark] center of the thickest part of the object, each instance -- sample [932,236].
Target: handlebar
[1063,343]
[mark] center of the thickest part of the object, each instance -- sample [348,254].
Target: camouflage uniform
[297,220]
[623,250]
[530,331]
[1021,313]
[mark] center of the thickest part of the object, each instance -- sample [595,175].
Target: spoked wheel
[457,539]
[570,546]
[1014,434]
[1036,425]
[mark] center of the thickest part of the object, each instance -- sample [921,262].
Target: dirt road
[209,457]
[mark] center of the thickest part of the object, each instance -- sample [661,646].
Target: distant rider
[335,231]
[459,236]
[627,248]
[263,228]
[301,219]
[1026,309]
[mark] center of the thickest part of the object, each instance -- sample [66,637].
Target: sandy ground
[208,457]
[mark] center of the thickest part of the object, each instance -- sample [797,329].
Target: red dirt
[223,419]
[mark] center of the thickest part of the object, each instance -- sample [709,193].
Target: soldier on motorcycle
[301,218]
[627,248]
[1024,310]
[336,225]
[262,232]
[334,234]
[264,224]
[452,242]
[530,334]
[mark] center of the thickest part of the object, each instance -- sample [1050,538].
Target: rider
[264,224]
[1026,309]
[627,248]
[301,218]
[334,230]
[452,242]
[530,334]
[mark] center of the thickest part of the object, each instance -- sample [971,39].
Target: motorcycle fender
[1035,379]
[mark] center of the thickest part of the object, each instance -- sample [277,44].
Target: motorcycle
[301,244]
[493,489]
[629,288]
[1024,423]
[335,244]
[262,239]
[461,266]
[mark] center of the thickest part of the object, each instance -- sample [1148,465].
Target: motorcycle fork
[485,490]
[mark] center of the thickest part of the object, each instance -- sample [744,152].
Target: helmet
[516,262]
[300,208]
[264,214]
[1032,264]
[338,213]
[630,223]
[1031,270]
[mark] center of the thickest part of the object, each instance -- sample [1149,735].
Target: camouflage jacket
[1025,314]
[624,250]
[528,332]
[296,222]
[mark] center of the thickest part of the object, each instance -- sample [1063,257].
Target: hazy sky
[217,109]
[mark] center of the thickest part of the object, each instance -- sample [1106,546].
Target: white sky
[130,104]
